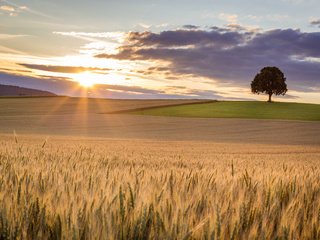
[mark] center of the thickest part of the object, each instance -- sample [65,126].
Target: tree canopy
[270,81]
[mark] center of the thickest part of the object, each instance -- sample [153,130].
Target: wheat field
[94,188]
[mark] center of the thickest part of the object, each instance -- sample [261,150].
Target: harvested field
[88,117]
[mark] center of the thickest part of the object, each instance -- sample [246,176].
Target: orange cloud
[7,8]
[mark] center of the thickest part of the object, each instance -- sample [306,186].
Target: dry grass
[133,189]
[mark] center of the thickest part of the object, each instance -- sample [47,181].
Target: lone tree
[270,81]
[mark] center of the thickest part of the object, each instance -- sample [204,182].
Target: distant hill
[15,91]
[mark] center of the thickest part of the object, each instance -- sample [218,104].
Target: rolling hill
[245,109]
[15,91]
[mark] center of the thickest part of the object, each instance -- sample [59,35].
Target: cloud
[230,18]
[7,8]
[315,23]
[9,70]
[144,25]
[10,36]
[10,10]
[180,38]
[62,69]
[132,89]
[190,27]
[229,56]
[65,86]
[5,49]
[61,86]
[14,9]
[115,36]
[98,41]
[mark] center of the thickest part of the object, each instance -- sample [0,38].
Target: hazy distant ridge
[8,90]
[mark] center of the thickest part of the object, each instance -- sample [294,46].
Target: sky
[204,49]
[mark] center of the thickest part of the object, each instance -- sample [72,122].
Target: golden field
[95,188]
[102,175]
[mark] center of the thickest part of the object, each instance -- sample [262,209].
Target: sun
[85,79]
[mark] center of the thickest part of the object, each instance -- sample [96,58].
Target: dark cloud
[219,29]
[315,23]
[236,27]
[184,37]
[190,27]
[175,87]
[15,70]
[62,69]
[230,56]
[159,69]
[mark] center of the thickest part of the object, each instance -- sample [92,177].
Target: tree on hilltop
[270,81]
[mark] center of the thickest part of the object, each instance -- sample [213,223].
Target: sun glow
[86,79]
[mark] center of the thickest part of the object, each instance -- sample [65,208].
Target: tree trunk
[270,94]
